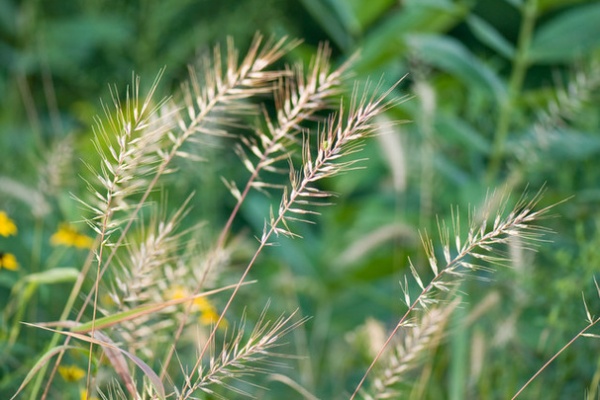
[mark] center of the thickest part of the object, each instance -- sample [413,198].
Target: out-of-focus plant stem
[520,64]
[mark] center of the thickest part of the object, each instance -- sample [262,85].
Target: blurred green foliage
[505,96]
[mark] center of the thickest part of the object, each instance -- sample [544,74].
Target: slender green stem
[519,69]
[65,314]
[96,250]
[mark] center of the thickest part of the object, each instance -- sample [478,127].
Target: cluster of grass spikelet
[142,305]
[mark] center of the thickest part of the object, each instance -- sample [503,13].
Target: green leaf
[462,132]
[346,16]
[51,276]
[450,170]
[568,36]
[515,3]
[451,56]
[367,12]
[386,43]
[110,320]
[489,36]
[567,144]
[7,281]
[329,21]
[73,41]
[8,17]
[547,5]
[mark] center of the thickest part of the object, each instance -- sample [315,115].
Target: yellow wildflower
[71,373]
[83,395]
[66,235]
[203,304]
[178,292]
[7,225]
[210,317]
[208,312]
[8,261]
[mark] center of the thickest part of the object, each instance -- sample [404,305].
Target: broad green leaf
[567,144]
[51,276]
[7,280]
[329,22]
[515,3]
[489,36]
[346,16]
[72,41]
[547,5]
[8,16]
[450,170]
[453,57]
[24,289]
[386,43]
[569,35]
[462,132]
[430,3]
[367,12]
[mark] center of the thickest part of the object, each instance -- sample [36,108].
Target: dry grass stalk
[143,279]
[241,358]
[590,319]
[479,250]
[421,337]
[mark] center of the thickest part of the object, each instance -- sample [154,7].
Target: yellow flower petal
[209,317]
[203,304]
[8,261]
[83,395]
[71,373]
[7,225]
[177,293]
[83,242]
[208,312]
[66,235]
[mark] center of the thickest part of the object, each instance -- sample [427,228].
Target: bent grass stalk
[517,77]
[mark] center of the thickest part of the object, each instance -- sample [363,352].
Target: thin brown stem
[569,343]
[515,224]
[315,92]
[335,140]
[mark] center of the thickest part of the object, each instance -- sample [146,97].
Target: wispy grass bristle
[421,336]
[480,250]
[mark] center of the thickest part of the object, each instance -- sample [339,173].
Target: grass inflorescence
[158,303]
